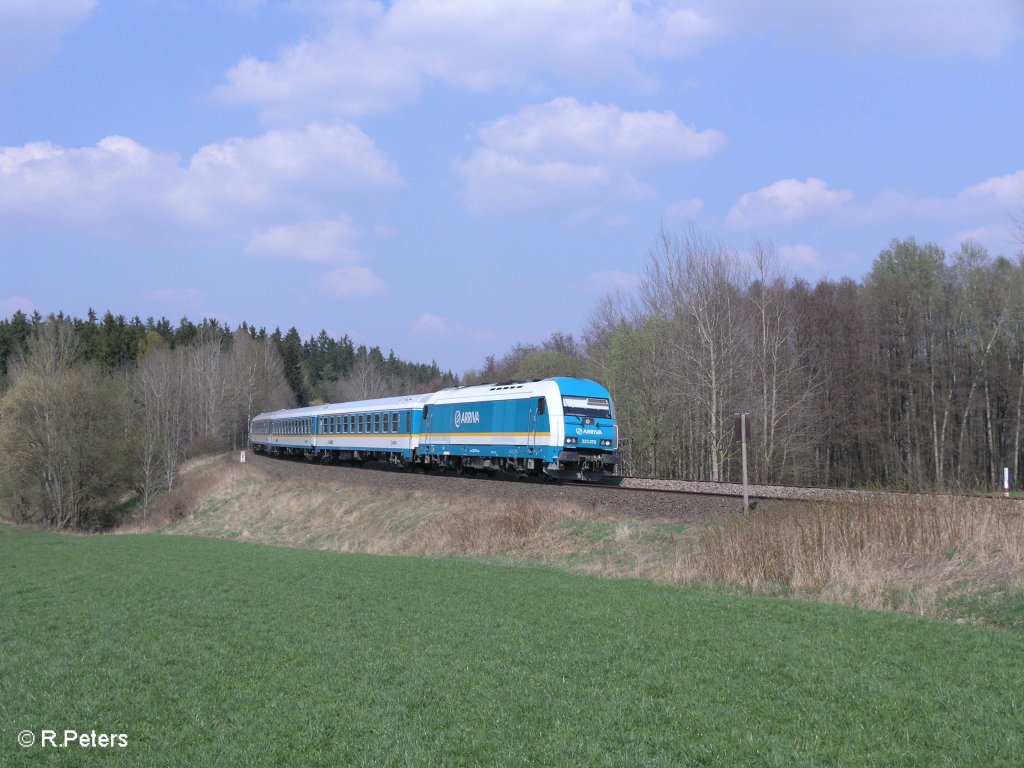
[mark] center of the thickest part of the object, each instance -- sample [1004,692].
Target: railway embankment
[952,557]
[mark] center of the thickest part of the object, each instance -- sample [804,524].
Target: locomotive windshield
[595,407]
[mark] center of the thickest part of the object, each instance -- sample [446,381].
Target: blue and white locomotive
[560,427]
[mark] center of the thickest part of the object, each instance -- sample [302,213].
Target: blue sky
[449,178]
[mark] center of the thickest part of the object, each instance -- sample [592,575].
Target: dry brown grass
[521,528]
[907,553]
[902,552]
[269,505]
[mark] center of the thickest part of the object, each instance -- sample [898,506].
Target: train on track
[563,428]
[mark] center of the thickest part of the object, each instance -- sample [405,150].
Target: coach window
[344,424]
[384,422]
[376,422]
[394,422]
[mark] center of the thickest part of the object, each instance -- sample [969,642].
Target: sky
[448,179]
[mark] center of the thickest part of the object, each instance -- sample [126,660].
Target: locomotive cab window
[594,407]
[542,406]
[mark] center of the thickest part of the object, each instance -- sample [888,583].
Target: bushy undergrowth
[894,551]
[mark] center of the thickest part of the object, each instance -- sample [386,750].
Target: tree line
[96,414]
[910,378]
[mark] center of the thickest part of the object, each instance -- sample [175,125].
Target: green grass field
[221,653]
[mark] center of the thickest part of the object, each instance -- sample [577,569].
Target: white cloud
[801,256]
[429,325]
[904,28]
[1005,190]
[329,240]
[353,281]
[89,185]
[123,186]
[278,167]
[565,150]
[993,199]
[787,201]
[17,304]
[371,56]
[366,56]
[568,130]
[31,31]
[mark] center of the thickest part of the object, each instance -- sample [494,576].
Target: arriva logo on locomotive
[466,417]
[585,431]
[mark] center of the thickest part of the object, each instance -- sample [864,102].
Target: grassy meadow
[209,652]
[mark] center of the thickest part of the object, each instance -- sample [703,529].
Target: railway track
[628,497]
[681,500]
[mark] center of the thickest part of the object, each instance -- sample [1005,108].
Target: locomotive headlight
[570,441]
[606,443]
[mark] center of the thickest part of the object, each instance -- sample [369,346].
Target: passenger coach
[560,427]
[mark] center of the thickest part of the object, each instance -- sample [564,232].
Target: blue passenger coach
[561,427]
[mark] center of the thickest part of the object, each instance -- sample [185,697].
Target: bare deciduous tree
[63,451]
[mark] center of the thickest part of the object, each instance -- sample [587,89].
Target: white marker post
[741,433]
[242,458]
[1006,482]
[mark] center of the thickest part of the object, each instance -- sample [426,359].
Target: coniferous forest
[96,411]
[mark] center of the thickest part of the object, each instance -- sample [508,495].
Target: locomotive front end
[590,439]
